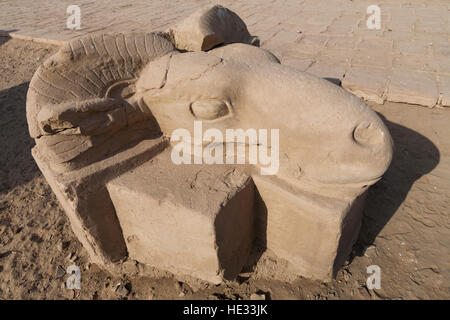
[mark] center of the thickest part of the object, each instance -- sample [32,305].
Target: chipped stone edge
[17,36]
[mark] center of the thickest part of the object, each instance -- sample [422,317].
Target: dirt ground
[406,227]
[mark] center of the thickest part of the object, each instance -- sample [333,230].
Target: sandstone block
[327,70]
[372,59]
[412,47]
[416,62]
[445,90]
[208,28]
[367,83]
[314,233]
[376,44]
[190,220]
[300,64]
[347,43]
[103,108]
[443,62]
[85,199]
[413,87]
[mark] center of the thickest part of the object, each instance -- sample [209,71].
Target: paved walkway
[407,60]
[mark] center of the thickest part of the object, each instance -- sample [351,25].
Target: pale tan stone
[101,135]
[443,62]
[192,220]
[415,62]
[430,26]
[254,107]
[345,24]
[208,28]
[338,56]
[327,70]
[338,19]
[282,38]
[312,232]
[368,84]
[402,19]
[412,46]
[413,87]
[300,64]
[370,58]
[85,199]
[445,90]
[376,44]
[348,43]
[75,105]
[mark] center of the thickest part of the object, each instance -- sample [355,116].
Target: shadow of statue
[17,166]
[260,236]
[4,39]
[414,156]
[4,36]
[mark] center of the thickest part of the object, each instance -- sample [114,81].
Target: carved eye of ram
[210,109]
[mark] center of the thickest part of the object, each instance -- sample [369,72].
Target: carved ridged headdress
[86,76]
[89,67]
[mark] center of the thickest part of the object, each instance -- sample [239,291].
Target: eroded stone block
[83,195]
[413,87]
[103,108]
[369,84]
[208,28]
[314,233]
[194,220]
[445,90]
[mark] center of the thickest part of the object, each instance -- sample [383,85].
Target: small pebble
[256,296]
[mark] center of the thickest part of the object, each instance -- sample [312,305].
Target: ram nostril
[368,134]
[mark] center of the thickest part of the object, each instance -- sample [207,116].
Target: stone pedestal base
[188,219]
[201,220]
[85,199]
[314,233]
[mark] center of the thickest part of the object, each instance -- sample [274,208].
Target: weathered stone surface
[412,47]
[100,139]
[376,44]
[369,58]
[195,220]
[369,84]
[425,90]
[300,64]
[327,70]
[252,108]
[83,195]
[338,20]
[75,102]
[208,28]
[312,231]
[443,63]
[445,90]
[414,62]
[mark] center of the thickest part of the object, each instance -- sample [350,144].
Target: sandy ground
[406,229]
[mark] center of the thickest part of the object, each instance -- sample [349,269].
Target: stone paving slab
[414,87]
[406,60]
[445,90]
[367,83]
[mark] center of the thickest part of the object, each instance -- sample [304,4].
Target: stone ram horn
[83,95]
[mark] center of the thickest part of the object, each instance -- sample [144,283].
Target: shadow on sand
[414,156]
[4,39]
[4,36]
[17,166]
